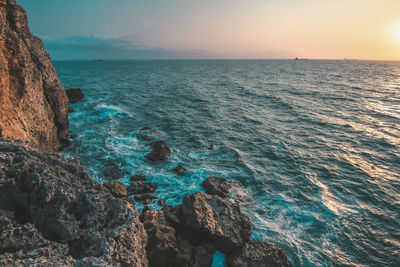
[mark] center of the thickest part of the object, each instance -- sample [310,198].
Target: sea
[315,142]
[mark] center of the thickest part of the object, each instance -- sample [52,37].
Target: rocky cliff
[52,213]
[33,104]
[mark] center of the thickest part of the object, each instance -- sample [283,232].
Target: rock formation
[75,95]
[52,211]
[33,104]
[160,151]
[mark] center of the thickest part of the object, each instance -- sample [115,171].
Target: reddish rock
[117,189]
[33,104]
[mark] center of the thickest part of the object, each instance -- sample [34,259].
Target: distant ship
[297,58]
[98,59]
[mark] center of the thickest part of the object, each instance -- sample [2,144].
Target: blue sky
[129,29]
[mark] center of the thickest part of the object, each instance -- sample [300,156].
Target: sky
[163,29]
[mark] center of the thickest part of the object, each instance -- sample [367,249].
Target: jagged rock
[218,218]
[160,151]
[137,178]
[180,170]
[33,104]
[145,198]
[75,95]
[259,254]
[221,187]
[141,188]
[117,189]
[161,247]
[69,210]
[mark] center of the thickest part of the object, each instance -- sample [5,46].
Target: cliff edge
[33,104]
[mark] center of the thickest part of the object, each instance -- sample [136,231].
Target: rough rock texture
[259,254]
[75,95]
[220,186]
[160,151]
[218,218]
[117,189]
[33,104]
[71,217]
[161,247]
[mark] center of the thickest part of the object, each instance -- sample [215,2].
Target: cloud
[103,47]
[95,46]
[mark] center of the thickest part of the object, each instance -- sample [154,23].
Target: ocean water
[316,143]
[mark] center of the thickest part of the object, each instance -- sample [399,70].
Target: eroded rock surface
[33,104]
[218,218]
[259,254]
[72,218]
[221,187]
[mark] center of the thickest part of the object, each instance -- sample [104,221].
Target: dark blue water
[317,144]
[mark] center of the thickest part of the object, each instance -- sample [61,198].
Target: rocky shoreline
[52,213]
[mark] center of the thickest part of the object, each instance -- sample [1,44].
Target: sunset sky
[84,29]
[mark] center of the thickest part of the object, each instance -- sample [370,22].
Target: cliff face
[33,104]
[52,213]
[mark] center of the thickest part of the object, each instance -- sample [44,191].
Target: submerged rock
[259,254]
[72,218]
[180,170]
[148,129]
[137,177]
[114,172]
[75,95]
[218,218]
[160,151]
[117,189]
[33,104]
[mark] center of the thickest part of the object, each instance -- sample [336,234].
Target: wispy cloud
[95,46]
[127,47]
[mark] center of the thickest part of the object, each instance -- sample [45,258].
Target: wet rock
[217,218]
[117,189]
[33,104]
[259,254]
[161,248]
[148,129]
[160,151]
[66,212]
[180,170]
[75,95]
[221,187]
[141,188]
[137,177]
[114,172]
[145,198]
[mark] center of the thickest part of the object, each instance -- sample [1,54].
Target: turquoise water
[317,144]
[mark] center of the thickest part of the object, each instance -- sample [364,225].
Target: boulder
[179,170]
[223,187]
[75,95]
[113,171]
[160,151]
[161,246]
[65,210]
[117,189]
[259,254]
[141,188]
[218,218]
[33,104]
